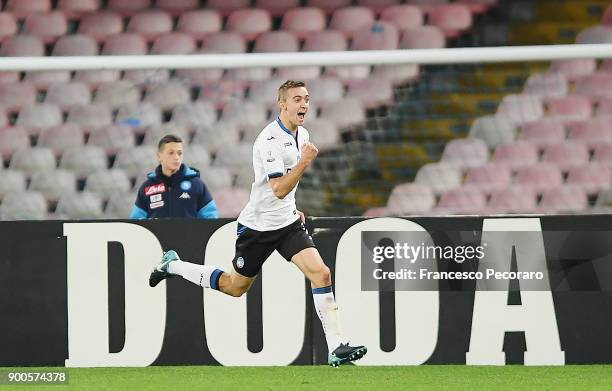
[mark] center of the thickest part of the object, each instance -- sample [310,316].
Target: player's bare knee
[322,277]
[237,291]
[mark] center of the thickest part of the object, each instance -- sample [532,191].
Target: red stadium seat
[298,73]
[378,5]
[14,96]
[225,7]
[221,92]
[177,7]
[396,74]
[344,113]
[349,20]
[592,177]
[12,139]
[478,6]
[225,42]
[76,8]
[539,177]
[372,92]
[276,41]
[489,177]
[303,21]
[543,132]
[249,22]
[329,6]
[23,8]
[326,40]
[427,5]
[43,79]
[592,132]
[465,153]
[68,95]
[603,154]
[150,24]
[200,23]
[404,16]
[426,37]
[596,85]
[574,68]
[462,200]
[22,46]
[174,43]
[410,198]
[230,201]
[8,25]
[563,199]
[128,8]
[95,78]
[125,44]
[516,154]
[571,108]
[101,25]
[75,45]
[452,19]
[379,36]
[513,199]
[275,7]
[566,154]
[547,85]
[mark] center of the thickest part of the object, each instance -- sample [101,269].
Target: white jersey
[275,152]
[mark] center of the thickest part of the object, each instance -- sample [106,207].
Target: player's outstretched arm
[283,185]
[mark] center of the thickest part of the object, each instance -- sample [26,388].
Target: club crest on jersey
[155,189]
[185,185]
[239,262]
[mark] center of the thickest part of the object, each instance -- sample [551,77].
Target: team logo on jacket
[239,262]
[185,185]
[155,189]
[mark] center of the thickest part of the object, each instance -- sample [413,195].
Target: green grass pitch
[429,377]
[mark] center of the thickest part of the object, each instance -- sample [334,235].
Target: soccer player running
[270,221]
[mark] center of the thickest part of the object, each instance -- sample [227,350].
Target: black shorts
[254,247]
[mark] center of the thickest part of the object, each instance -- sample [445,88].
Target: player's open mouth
[301,115]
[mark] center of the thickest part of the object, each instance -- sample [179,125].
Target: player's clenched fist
[309,152]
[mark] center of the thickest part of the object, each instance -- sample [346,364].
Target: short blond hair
[286,86]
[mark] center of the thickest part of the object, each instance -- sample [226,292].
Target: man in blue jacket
[173,189]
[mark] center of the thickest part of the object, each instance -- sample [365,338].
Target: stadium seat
[521,108]
[75,45]
[8,25]
[105,183]
[592,132]
[539,177]
[465,153]
[348,73]
[139,115]
[39,116]
[602,154]
[150,24]
[137,161]
[83,160]
[112,138]
[452,19]
[32,160]
[174,43]
[249,22]
[276,41]
[244,177]
[397,74]
[197,156]
[214,136]
[177,7]
[194,114]
[563,199]
[566,154]
[22,46]
[252,130]
[378,212]
[53,184]
[230,201]
[403,16]
[119,205]
[23,8]
[513,199]
[91,117]
[77,8]
[225,7]
[547,85]
[61,137]
[425,37]
[478,6]
[12,139]
[516,154]
[344,113]
[574,69]
[95,78]
[427,5]
[11,181]
[101,25]
[277,8]
[221,92]
[462,200]
[125,44]
[349,20]
[297,73]
[225,42]
[128,8]
[489,177]
[378,36]
[596,85]
[234,156]
[23,205]
[155,132]
[200,23]
[410,198]
[592,177]
[168,95]
[303,21]
[9,77]
[3,118]
[68,95]
[493,130]
[246,76]
[372,92]
[595,34]
[43,79]
[329,6]
[265,92]
[325,134]
[570,108]
[14,96]
[326,90]
[216,177]
[80,205]
[438,176]
[543,132]
[243,113]
[326,40]
[46,26]
[116,94]
[378,5]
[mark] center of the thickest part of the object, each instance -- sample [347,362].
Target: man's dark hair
[169,138]
[289,84]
